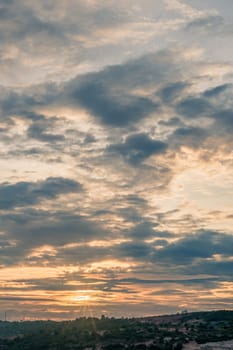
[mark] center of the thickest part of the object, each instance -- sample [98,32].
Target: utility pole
[5,316]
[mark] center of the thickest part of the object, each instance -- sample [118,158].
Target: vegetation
[153,333]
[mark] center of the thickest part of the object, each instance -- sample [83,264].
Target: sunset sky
[116,186]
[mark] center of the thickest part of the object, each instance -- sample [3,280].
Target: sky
[116,188]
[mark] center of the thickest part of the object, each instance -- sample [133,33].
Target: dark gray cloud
[202,245]
[216,268]
[35,228]
[8,298]
[147,230]
[136,250]
[114,110]
[213,92]
[149,70]
[22,103]
[30,193]
[194,107]
[137,147]
[185,282]
[192,137]
[172,91]
[192,251]
[38,131]
[108,95]
[224,120]
[214,104]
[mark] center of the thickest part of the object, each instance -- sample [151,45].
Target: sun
[81,298]
[82,295]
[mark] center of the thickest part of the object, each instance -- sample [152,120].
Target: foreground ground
[188,331]
[223,345]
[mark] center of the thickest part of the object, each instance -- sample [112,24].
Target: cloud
[172,91]
[27,299]
[202,245]
[213,92]
[30,193]
[224,120]
[185,282]
[113,110]
[29,229]
[38,130]
[210,23]
[192,137]
[194,107]
[108,94]
[111,96]
[121,95]
[147,230]
[136,250]
[23,103]
[138,147]
[215,268]
[72,37]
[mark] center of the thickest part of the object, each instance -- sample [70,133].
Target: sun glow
[81,298]
[83,295]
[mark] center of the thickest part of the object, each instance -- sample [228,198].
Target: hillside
[168,332]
